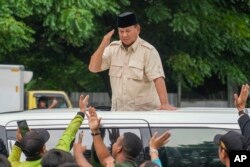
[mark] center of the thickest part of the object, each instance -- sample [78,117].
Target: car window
[190,147]
[62,103]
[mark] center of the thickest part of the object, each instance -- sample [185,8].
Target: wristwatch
[244,111]
[95,133]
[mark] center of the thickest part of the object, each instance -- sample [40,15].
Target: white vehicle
[12,80]
[192,130]
[14,98]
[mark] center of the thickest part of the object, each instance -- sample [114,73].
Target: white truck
[12,80]
[14,98]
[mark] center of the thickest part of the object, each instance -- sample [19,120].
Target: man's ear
[224,154]
[119,149]
[138,27]
[43,150]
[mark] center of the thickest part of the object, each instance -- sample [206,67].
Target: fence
[95,98]
[103,99]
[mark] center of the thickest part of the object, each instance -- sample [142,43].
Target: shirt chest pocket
[115,68]
[135,70]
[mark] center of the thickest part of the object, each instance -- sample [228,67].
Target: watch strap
[241,112]
[95,133]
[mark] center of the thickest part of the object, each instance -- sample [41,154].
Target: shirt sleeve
[69,134]
[15,156]
[106,58]
[244,123]
[153,67]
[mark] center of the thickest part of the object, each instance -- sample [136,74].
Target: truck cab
[32,97]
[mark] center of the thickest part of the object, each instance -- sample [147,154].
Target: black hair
[132,144]
[4,161]
[151,164]
[56,157]
[42,98]
[69,164]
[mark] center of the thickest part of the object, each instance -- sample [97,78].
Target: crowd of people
[137,81]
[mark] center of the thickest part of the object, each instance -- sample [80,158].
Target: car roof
[188,115]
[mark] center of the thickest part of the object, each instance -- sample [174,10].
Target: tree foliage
[196,39]
[47,36]
[204,38]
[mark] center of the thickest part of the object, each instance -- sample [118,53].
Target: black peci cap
[126,19]
[232,141]
[33,142]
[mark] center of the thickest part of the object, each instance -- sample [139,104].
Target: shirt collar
[134,46]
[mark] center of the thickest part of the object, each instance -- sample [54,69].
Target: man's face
[128,35]
[42,104]
[116,148]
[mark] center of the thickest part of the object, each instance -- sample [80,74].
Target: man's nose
[124,34]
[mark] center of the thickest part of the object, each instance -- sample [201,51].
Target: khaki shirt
[132,71]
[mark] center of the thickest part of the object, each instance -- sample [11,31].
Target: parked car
[192,130]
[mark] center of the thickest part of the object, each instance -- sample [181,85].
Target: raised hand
[157,141]
[240,101]
[113,135]
[94,121]
[78,147]
[79,151]
[83,103]
[107,38]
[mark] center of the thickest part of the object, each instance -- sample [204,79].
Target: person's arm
[241,100]
[244,120]
[15,155]
[94,158]
[244,123]
[162,93]
[69,134]
[16,151]
[79,150]
[54,103]
[155,143]
[101,150]
[96,58]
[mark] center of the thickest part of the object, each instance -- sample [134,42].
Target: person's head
[33,143]
[128,28]
[4,161]
[42,102]
[128,144]
[56,157]
[231,141]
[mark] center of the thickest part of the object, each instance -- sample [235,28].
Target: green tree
[203,38]
[196,39]
[53,39]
